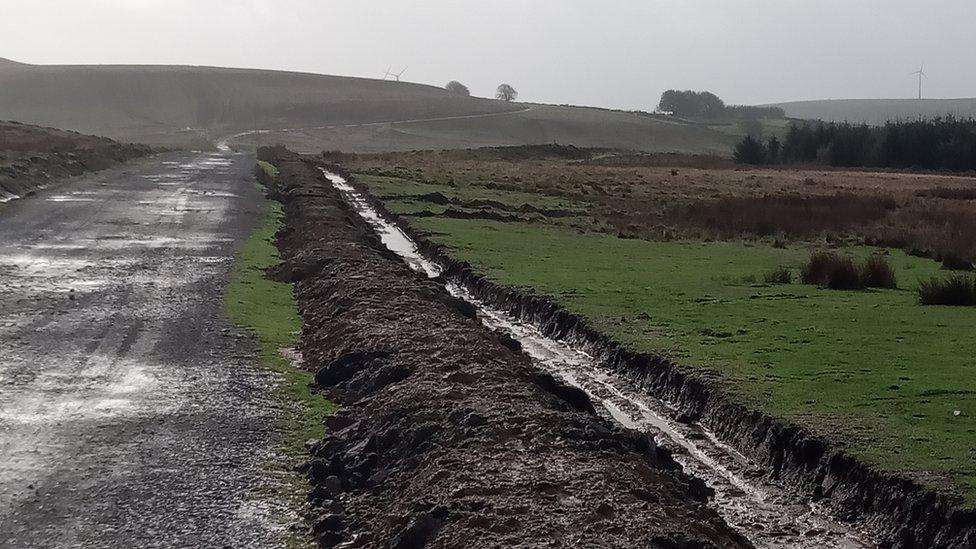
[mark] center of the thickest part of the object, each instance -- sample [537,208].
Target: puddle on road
[766,513]
[102,387]
[67,198]
[92,381]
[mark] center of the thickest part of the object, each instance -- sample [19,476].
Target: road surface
[131,415]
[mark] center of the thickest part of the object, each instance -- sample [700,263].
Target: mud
[32,157]
[449,436]
[895,511]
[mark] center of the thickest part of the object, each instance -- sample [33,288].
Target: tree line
[705,104]
[938,144]
[504,92]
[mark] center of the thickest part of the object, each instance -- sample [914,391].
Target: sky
[609,53]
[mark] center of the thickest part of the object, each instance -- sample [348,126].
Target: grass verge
[267,309]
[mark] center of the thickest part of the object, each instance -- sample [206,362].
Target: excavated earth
[32,156]
[448,437]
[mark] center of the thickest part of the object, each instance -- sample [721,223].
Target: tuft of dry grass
[831,271]
[956,289]
[837,272]
[877,273]
[779,275]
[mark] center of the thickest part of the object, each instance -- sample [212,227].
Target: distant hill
[537,124]
[175,103]
[197,106]
[9,63]
[878,111]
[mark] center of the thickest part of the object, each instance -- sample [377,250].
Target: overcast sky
[613,53]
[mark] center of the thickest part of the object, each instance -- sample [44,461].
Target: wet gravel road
[130,413]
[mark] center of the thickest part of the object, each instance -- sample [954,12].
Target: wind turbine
[920,75]
[396,75]
[387,74]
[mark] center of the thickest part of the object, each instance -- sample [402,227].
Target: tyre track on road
[130,413]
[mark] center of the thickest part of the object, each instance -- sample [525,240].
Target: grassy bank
[267,309]
[875,370]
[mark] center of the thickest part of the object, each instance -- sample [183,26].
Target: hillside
[878,111]
[534,124]
[174,104]
[197,106]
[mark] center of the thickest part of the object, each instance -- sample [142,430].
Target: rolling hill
[197,106]
[878,111]
[177,104]
[536,124]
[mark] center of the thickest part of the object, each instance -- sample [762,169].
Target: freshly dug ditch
[448,436]
[896,511]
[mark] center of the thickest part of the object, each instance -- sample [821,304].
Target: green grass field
[874,370]
[267,309]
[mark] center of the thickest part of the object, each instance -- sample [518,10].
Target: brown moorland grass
[696,201]
[790,215]
[949,193]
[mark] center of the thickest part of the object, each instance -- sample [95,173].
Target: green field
[886,377]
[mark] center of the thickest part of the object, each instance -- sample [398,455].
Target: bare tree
[457,88]
[506,93]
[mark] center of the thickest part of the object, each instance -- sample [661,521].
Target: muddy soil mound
[448,437]
[31,156]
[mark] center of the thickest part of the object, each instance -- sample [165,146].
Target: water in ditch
[767,514]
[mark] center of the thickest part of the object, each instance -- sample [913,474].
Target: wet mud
[32,157]
[449,435]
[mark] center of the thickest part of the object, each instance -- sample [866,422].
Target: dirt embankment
[32,156]
[448,437]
